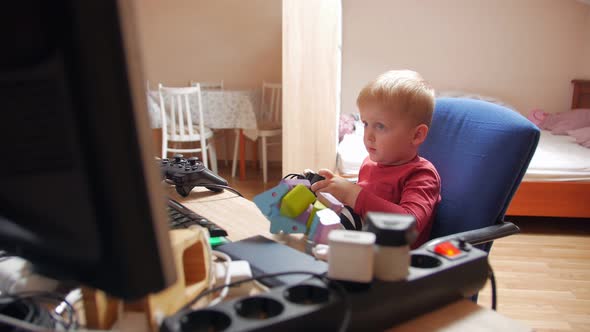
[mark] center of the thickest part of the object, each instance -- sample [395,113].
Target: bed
[557,182]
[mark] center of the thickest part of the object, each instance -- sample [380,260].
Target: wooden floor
[543,274]
[252,185]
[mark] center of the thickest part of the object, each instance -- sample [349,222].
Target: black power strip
[433,282]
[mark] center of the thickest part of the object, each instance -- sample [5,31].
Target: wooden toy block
[293,182]
[296,201]
[267,199]
[191,256]
[330,201]
[280,223]
[317,205]
[328,221]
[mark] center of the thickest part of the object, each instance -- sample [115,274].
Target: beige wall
[237,41]
[524,52]
[208,40]
[586,58]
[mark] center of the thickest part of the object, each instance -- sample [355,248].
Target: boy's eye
[379,126]
[365,124]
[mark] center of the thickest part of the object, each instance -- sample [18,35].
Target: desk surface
[242,219]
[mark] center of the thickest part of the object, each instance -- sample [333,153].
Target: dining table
[222,109]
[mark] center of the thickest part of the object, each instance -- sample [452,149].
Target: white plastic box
[351,255]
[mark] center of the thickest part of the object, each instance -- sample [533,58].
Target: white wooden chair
[221,132]
[177,123]
[208,85]
[269,124]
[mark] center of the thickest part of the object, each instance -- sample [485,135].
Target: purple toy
[293,182]
[325,221]
[302,218]
[330,201]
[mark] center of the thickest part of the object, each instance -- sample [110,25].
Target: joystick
[193,160]
[186,174]
[312,176]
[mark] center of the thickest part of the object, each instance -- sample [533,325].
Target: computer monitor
[79,191]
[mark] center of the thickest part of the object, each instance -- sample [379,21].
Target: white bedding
[351,153]
[557,158]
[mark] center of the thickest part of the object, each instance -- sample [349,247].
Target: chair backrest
[271,106]
[481,151]
[208,85]
[176,106]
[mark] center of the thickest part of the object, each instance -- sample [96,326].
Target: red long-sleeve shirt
[412,188]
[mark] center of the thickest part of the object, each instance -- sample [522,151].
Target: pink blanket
[575,123]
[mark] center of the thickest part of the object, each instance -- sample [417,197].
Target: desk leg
[242,155]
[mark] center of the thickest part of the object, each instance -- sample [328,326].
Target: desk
[242,219]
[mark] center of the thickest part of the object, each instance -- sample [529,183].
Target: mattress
[557,158]
[351,153]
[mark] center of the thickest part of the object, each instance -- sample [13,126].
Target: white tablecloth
[222,109]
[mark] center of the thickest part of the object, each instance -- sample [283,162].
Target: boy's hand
[345,191]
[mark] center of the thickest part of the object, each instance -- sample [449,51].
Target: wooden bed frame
[556,199]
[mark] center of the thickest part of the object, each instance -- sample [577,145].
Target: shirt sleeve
[419,197]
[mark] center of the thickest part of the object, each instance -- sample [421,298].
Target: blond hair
[404,90]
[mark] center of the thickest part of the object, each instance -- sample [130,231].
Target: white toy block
[351,257]
[328,221]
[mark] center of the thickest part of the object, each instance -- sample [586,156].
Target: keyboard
[179,216]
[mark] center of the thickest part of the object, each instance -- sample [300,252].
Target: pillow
[537,117]
[582,136]
[346,125]
[560,123]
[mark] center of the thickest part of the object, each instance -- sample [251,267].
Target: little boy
[396,110]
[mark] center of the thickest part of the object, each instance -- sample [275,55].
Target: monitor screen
[79,193]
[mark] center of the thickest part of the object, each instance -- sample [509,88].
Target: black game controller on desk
[186,174]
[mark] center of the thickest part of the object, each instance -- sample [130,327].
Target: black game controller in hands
[186,174]
[312,177]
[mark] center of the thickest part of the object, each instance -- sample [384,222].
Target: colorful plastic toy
[296,201]
[330,201]
[291,207]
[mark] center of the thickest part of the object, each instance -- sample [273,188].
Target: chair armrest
[481,235]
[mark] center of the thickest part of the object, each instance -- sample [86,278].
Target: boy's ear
[420,134]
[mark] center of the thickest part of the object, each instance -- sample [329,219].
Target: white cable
[261,286]
[72,297]
[227,280]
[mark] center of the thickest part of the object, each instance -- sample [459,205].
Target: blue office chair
[481,151]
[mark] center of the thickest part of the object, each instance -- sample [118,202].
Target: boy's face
[389,138]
